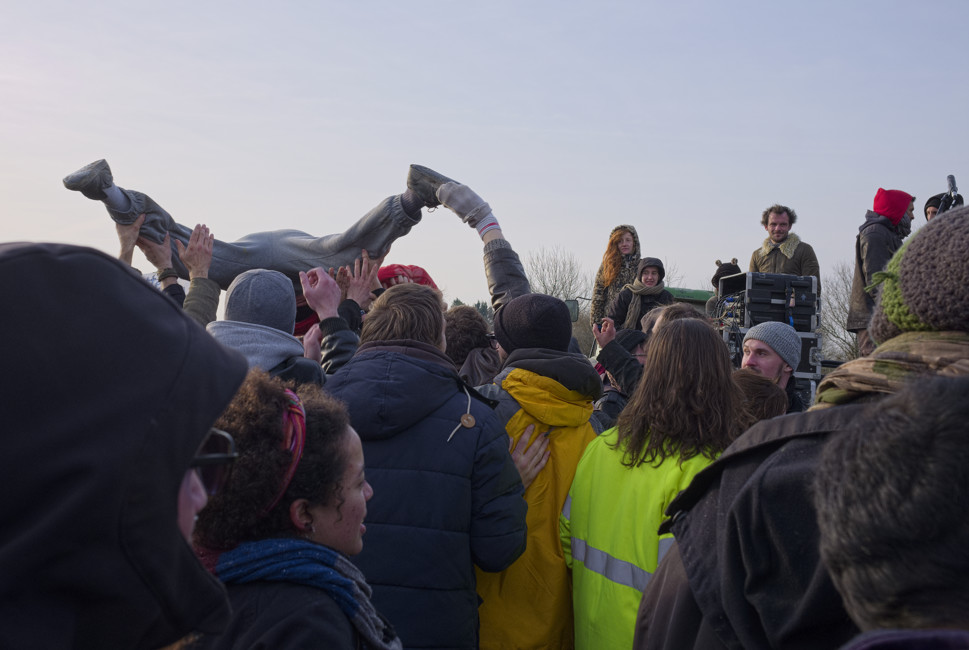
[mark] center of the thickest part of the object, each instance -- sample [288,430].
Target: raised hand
[362,280]
[604,333]
[197,256]
[321,291]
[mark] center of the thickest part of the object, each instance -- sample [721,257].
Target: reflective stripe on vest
[614,569]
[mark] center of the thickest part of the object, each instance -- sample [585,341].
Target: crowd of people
[344,462]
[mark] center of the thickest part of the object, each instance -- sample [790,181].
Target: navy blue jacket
[446,496]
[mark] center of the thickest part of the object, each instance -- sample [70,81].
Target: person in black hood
[639,298]
[101,420]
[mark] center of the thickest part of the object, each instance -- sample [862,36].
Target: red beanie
[892,204]
[415,273]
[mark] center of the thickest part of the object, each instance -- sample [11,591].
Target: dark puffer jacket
[446,496]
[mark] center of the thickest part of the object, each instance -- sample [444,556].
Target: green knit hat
[925,286]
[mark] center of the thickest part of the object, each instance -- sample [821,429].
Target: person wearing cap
[642,296]
[746,570]
[260,314]
[934,204]
[773,350]
[886,225]
[447,495]
[783,251]
[107,455]
[542,389]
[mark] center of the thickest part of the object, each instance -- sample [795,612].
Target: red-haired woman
[618,269]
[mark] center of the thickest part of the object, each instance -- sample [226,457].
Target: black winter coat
[446,496]
[617,311]
[745,571]
[283,615]
[93,455]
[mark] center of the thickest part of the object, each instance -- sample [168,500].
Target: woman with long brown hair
[684,413]
[618,269]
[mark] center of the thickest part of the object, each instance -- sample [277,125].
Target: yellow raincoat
[529,604]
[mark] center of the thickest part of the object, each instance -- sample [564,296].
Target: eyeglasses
[213,460]
[492,341]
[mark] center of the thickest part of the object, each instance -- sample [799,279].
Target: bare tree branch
[557,272]
[838,343]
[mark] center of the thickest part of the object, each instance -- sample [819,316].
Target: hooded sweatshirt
[100,420]
[260,311]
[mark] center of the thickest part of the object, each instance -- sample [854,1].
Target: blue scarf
[310,564]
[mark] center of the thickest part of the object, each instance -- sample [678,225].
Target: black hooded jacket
[108,390]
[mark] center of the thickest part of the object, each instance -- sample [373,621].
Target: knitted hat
[936,202]
[892,204]
[262,297]
[723,270]
[651,261]
[781,338]
[933,202]
[925,286]
[386,273]
[534,320]
[629,339]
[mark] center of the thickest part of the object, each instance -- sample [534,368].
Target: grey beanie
[262,297]
[781,338]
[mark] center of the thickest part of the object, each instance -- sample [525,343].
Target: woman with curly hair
[618,269]
[683,414]
[279,533]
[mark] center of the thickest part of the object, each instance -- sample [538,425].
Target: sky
[684,119]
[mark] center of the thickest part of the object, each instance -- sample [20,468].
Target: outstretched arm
[202,300]
[503,268]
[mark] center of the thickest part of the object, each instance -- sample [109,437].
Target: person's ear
[300,515]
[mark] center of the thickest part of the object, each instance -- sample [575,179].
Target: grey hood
[263,347]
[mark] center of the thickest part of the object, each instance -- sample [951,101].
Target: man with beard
[886,225]
[773,350]
[783,251]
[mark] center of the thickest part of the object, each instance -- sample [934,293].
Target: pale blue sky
[685,119]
